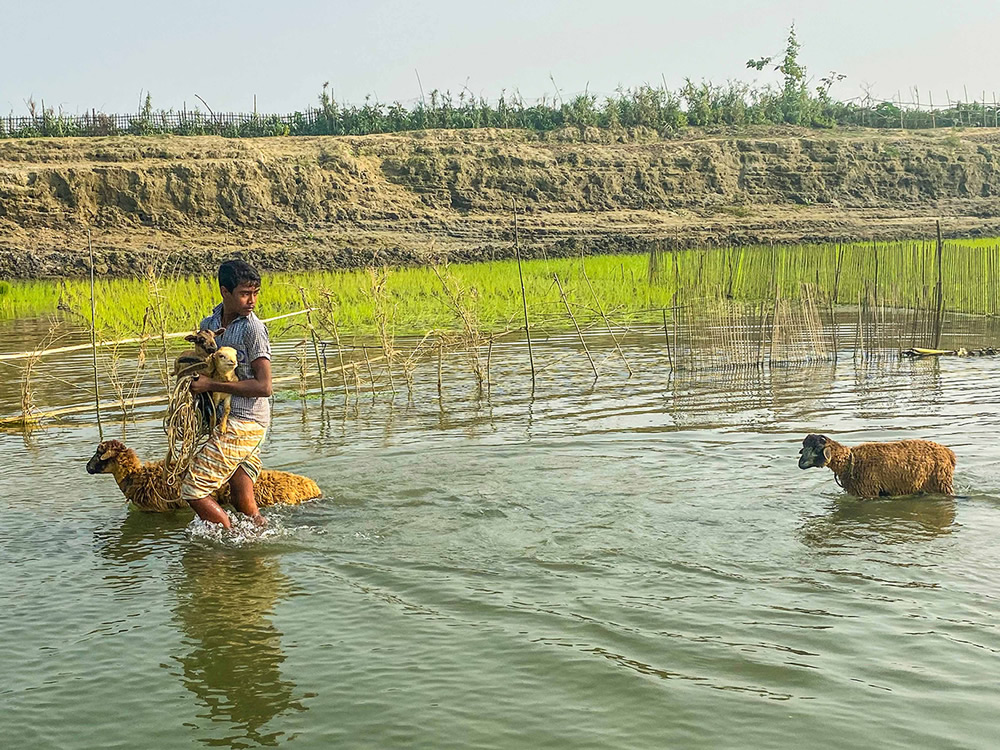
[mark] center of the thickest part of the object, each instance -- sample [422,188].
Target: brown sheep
[903,467]
[143,483]
[195,359]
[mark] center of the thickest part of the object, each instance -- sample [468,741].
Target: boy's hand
[201,384]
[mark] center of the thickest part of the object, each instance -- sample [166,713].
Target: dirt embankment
[292,203]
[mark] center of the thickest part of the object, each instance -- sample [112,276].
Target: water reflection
[884,388]
[848,521]
[233,666]
[141,534]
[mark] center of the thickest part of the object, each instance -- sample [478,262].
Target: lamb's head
[225,361]
[105,459]
[815,452]
[204,340]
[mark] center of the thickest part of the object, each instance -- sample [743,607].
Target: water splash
[244,532]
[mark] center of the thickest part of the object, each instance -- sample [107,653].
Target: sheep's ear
[827,452]
[109,452]
[220,331]
[191,337]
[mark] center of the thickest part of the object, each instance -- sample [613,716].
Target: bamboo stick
[152,400]
[666,335]
[108,405]
[762,321]
[524,297]
[607,322]
[489,358]
[674,309]
[135,340]
[93,339]
[577,326]
[939,294]
[371,373]
[440,348]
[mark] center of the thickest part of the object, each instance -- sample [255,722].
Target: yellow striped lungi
[222,455]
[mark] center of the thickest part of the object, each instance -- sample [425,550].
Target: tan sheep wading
[902,467]
[143,483]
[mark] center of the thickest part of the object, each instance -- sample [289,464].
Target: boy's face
[242,299]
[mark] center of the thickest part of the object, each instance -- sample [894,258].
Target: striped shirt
[248,336]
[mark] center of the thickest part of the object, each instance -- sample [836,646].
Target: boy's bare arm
[259,386]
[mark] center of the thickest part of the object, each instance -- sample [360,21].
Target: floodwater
[631,563]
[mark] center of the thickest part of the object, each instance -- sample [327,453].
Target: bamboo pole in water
[371,373]
[666,335]
[774,315]
[153,400]
[858,342]
[576,325]
[939,294]
[607,322]
[93,339]
[135,340]
[833,300]
[673,317]
[440,348]
[524,297]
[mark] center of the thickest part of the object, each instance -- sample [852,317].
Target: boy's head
[239,284]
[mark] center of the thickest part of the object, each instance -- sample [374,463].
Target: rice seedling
[727,308]
[155,308]
[383,318]
[126,387]
[464,304]
[631,288]
[300,358]
[29,413]
[312,335]
[328,320]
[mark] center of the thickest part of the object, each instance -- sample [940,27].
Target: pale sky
[106,54]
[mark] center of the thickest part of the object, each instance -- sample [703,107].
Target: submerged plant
[464,303]
[382,313]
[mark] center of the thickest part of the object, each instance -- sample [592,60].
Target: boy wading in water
[234,456]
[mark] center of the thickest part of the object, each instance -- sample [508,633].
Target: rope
[850,472]
[187,427]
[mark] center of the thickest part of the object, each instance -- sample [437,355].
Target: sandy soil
[297,203]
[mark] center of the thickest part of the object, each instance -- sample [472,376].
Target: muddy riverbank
[183,203]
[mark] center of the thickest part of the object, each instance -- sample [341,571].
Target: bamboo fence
[732,309]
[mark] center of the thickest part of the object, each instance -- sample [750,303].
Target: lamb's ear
[827,452]
[191,337]
[109,452]
[220,331]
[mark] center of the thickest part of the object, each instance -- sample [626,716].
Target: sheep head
[225,361]
[106,457]
[204,340]
[815,452]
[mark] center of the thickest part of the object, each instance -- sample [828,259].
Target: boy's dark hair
[232,273]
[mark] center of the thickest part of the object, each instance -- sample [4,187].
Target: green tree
[795,99]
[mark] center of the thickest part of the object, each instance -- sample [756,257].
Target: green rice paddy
[632,288]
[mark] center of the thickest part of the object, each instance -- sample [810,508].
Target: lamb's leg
[865,489]
[224,422]
[206,411]
[943,478]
